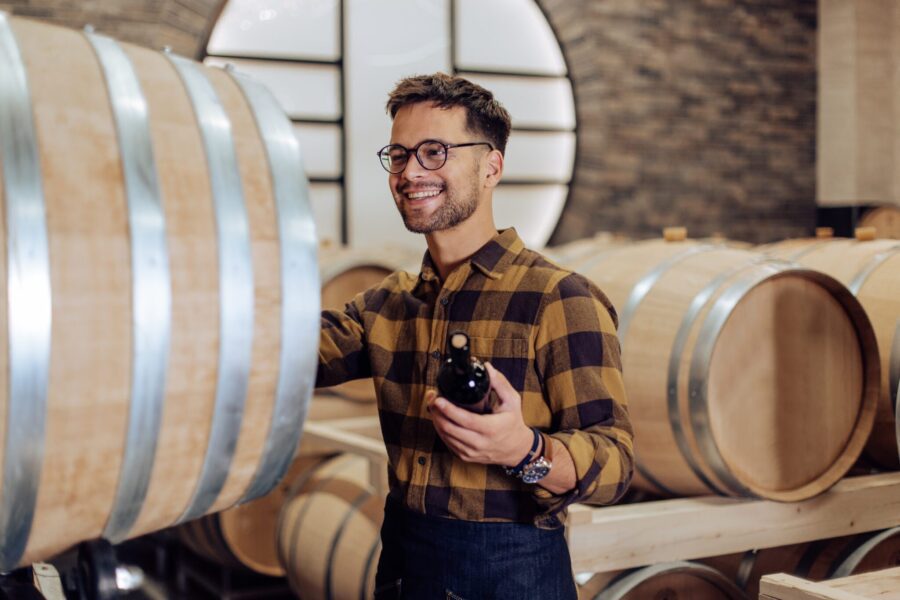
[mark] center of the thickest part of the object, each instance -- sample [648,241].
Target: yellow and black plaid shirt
[550,331]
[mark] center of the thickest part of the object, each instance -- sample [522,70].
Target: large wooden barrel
[574,253]
[744,376]
[245,536]
[329,532]
[870,269]
[157,322]
[885,219]
[819,560]
[681,580]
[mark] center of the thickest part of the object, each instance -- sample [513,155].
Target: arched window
[331,63]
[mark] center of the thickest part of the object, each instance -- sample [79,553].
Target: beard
[457,206]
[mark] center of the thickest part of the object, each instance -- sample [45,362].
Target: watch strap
[517,470]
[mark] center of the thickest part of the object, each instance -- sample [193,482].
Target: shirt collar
[492,259]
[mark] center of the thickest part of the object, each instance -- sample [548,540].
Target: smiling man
[477,502]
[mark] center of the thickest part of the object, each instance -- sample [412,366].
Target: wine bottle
[462,378]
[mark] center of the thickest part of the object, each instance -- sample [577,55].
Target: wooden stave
[885,219]
[620,296]
[88,504]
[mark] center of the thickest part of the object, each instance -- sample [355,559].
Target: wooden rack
[632,535]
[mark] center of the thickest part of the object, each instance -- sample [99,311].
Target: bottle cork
[865,234]
[675,234]
[824,233]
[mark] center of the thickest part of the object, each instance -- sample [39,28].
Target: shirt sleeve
[579,361]
[342,345]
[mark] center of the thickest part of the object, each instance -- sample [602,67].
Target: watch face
[536,470]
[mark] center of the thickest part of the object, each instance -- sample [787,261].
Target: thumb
[506,393]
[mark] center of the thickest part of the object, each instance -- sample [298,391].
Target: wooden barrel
[871,270]
[245,536]
[744,376]
[819,560]
[681,580]
[158,331]
[885,219]
[329,532]
[578,251]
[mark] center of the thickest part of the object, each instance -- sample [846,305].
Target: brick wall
[696,112]
[183,25]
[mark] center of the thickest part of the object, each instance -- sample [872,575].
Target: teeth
[426,194]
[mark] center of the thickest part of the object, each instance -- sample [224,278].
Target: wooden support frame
[621,537]
[879,584]
[610,538]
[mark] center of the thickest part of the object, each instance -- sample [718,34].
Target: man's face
[437,200]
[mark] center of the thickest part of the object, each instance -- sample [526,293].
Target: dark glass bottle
[462,378]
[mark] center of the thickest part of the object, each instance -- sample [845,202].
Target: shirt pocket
[507,355]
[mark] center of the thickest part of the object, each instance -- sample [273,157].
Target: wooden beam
[621,537]
[878,584]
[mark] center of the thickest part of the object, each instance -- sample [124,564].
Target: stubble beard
[456,208]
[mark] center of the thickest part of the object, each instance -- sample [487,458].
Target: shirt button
[436,354]
[422,460]
[445,301]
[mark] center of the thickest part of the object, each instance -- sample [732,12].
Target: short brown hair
[484,114]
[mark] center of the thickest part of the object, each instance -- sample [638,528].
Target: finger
[458,415]
[465,436]
[506,393]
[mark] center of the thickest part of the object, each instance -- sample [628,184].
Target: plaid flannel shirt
[551,332]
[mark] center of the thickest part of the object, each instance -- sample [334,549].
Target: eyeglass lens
[431,155]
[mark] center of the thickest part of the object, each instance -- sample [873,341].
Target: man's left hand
[498,438]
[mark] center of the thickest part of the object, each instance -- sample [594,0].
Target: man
[477,502]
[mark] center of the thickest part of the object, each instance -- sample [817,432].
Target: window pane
[532,209]
[325,199]
[540,156]
[278,28]
[304,91]
[532,102]
[506,35]
[321,149]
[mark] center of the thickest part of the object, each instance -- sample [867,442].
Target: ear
[494,169]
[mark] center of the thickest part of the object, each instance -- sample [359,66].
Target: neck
[451,247]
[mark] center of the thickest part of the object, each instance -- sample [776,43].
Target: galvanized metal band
[151,296]
[622,587]
[745,568]
[331,555]
[796,256]
[699,373]
[235,285]
[300,288]
[850,564]
[860,279]
[646,283]
[675,358]
[29,303]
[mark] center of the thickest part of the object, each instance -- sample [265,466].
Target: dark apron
[425,558]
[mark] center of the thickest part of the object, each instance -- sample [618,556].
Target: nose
[412,169]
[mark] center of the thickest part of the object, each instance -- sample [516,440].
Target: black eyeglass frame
[415,151]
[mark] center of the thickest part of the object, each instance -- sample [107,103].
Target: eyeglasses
[431,154]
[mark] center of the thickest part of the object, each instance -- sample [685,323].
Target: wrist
[522,448]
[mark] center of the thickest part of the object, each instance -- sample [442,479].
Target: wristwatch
[539,467]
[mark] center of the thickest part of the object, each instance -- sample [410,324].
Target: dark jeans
[425,558]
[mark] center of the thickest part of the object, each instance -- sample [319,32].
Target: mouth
[421,196]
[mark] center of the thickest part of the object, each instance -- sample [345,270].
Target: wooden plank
[884,584]
[327,435]
[788,587]
[621,537]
